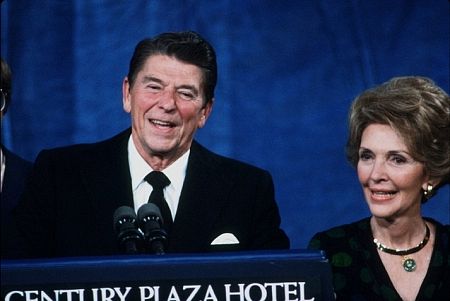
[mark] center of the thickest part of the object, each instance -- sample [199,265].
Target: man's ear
[126,101]
[205,111]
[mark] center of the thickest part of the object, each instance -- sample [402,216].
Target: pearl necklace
[408,263]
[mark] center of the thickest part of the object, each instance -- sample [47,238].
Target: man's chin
[160,151]
[165,150]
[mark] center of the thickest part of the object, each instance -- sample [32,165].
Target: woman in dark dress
[399,143]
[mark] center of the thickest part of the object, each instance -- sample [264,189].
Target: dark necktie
[158,180]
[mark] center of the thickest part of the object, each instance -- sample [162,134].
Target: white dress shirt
[176,173]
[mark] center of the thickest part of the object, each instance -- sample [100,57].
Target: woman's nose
[378,171]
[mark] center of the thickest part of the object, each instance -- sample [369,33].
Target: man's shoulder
[14,159]
[209,158]
[86,150]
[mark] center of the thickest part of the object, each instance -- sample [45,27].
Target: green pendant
[409,264]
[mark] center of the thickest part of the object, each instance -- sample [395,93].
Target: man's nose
[167,100]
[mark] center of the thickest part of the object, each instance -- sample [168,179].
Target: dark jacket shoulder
[340,236]
[80,150]
[203,156]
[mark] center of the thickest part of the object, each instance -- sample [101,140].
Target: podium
[300,275]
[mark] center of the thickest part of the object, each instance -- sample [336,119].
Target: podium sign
[298,275]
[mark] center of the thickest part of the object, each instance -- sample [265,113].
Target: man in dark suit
[216,203]
[14,172]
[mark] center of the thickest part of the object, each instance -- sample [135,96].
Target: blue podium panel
[298,275]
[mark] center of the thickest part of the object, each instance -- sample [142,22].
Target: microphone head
[128,235]
[123,215]
[149,212]
[150,222]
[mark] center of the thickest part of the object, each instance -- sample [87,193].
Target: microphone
[150,222]
[128,235]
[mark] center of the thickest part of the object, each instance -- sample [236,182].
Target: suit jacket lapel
[204,194]
[107,179]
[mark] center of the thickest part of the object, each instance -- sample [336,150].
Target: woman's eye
[398,159]
[364,156]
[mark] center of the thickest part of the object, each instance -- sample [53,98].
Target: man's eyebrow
[149,78]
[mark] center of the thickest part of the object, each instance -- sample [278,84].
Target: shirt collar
[176,171]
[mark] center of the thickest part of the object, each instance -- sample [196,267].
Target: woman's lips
[382,195]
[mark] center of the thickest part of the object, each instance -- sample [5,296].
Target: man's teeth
[161,123]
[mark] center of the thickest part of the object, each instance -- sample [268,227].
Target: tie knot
[157,179]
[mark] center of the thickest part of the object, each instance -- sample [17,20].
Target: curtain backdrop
[288,71]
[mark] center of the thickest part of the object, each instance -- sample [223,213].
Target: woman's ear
[433,182]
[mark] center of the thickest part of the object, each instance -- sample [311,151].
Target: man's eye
[154,87]
[186,95]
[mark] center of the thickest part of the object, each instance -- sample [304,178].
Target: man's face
[166,103]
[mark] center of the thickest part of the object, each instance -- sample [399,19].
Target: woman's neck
[401,234]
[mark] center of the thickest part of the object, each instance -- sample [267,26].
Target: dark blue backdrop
[288,71]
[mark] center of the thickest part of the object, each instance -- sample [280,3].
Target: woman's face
[391,179]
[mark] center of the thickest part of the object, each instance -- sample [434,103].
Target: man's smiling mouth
[161,123]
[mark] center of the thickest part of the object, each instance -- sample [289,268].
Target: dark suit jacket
[67,210]
[16,173]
